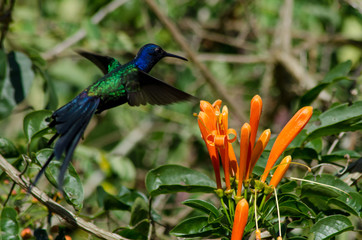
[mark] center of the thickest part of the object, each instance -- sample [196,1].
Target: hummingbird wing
[147,89]
[104,63]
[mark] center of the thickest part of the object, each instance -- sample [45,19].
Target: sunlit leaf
[175,178]
[9,225]
[72,186]
[331,226]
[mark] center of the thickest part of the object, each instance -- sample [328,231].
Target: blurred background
[236,49]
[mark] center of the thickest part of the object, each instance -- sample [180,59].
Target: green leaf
[193,227]
[9,225]
[336,74]
[339,155]
[331,181]
[319,195]
[331,226]
[139,212]
[3,66]
[21,74]
[288,187]
[203,206]
[174,178]
[134,233]
[307,154]
[296,209]
[351,203]
[7,100]
[123,201]
[341,118]
[72,186]
[35,122]
[110,202]
[51,93]
[7,148]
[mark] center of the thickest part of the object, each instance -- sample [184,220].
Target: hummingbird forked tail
[70,122]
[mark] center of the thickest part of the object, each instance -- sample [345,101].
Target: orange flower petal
[234,168]
[204,124]
[289,132]
[217,104]
[281,169]
[258,149]
[223,121]
[211,148]
[256,105]
[207,108]
[244,148]
[240,219]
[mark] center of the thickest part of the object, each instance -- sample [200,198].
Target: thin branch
[53,206]
[335,142]
[233,58]
[5,19]
[181,40]
[282,35]
[81,33]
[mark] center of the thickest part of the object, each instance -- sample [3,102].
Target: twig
[335,142]
[81,33]
[282,34]
[5,18]
[53,206]
[233,58]
[180,39]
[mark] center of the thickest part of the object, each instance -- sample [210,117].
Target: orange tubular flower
[258,149]
[279,173]
[244,149]
[207,124]
[240,219]
[289,132]
[221,143]
[256,105]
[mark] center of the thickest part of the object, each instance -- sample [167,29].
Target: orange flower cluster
[213,124]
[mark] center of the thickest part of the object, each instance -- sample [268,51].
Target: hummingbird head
[150,54]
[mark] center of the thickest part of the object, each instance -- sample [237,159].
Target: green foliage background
[239,43]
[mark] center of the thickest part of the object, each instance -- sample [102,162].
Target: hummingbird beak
[174,56]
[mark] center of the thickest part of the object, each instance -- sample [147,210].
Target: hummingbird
[128,83]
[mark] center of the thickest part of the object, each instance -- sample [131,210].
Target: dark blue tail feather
[70,122]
